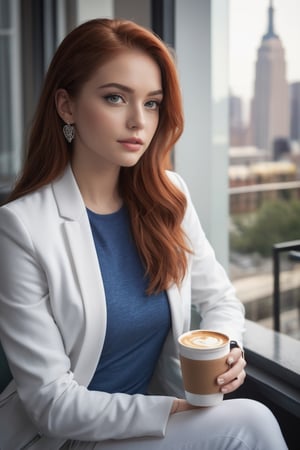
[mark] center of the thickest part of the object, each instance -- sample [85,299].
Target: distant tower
[271,95]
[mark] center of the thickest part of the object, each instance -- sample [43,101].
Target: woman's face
[117,111]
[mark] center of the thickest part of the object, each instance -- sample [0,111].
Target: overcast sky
[247,25]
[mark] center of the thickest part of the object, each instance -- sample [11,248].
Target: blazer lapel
[86,268]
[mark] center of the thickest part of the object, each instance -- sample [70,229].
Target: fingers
[234,356]
[234,384]
[235,376]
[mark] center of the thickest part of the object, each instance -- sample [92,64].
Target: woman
[104,255]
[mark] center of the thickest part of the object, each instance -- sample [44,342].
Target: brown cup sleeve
[200,377]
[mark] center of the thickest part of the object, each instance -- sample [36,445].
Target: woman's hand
[228,382]
[180,405]
[235,376]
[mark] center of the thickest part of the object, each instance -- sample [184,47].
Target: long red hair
[155,205]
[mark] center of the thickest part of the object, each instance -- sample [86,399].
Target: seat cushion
[5,374]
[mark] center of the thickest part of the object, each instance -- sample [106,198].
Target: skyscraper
[236,121]
[271,98]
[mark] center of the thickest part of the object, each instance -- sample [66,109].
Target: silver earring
[69,132]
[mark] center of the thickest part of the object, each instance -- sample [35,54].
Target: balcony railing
[293,250]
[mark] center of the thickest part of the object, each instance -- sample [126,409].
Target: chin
[131,162]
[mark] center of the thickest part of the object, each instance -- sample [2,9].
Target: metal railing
[293,248]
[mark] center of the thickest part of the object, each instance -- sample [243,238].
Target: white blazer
[53,323]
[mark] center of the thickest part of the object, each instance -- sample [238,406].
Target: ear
[64,105]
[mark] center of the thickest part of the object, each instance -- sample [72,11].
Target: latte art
[204,339]
[207,341]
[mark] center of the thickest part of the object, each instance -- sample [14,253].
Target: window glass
[10,125]
[5,14]
[264,160]
[5,108]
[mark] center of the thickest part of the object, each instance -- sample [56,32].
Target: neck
[98,186]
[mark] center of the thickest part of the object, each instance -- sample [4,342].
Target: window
[265,147]
[10,106]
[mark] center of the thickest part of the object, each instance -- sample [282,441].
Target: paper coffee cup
[203,357]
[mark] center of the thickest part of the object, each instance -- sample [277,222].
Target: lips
[131,144]
[131,141]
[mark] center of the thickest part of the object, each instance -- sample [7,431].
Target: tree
[276,221]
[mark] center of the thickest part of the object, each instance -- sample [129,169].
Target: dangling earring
[69,132]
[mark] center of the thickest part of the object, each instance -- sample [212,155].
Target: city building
[295,111]
[271,96]
[237,131]
[253,184]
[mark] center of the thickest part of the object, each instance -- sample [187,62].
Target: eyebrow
[127,89]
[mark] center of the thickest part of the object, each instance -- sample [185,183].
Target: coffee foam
[203,339]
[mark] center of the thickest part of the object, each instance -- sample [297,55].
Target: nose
[136,118]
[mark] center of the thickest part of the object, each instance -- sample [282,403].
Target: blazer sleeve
[51,397]
[212,293]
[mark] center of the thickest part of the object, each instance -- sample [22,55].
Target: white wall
[201,156]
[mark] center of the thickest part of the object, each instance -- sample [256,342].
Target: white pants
[238,424]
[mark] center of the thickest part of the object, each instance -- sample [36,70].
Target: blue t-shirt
[137,324]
